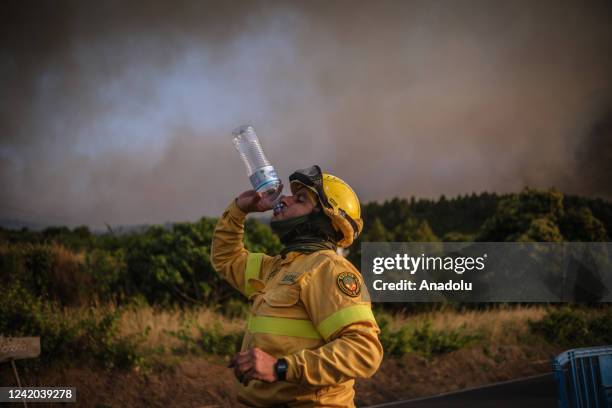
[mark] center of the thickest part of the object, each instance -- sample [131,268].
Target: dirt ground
[196,381]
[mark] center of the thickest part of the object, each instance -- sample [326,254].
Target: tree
[580,225]
[530,215]
[542,229]
[414,230]
[377,232]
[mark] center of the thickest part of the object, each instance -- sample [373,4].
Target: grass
[188,348]
[197,330]
[131,336]
[160,323]
[575,327]
[493,324]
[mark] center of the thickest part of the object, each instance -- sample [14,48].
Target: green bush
[429,341]
[213,341]
[101,339]
[48,271]
[395,343]
[93,334]
[572,327]
[208,340]
[602,327]
[164,265]
[235,309]
[422,339]
[108,271]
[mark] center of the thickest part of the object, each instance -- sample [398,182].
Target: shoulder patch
[349,284]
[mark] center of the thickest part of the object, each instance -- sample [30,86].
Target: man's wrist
[236,211]
[280,369]
[238,206]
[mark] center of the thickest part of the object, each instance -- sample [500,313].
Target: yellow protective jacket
[311,309]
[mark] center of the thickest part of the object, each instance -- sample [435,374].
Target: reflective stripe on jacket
[311,309]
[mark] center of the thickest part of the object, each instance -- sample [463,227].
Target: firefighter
[311,330]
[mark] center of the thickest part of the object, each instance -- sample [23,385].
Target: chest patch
[289,278]
[349,284]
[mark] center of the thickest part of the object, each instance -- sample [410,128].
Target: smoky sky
[121,112]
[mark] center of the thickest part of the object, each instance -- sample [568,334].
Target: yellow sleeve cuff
[235,212]
[293,376]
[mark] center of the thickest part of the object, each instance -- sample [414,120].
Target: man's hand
[252,201]
[253,364]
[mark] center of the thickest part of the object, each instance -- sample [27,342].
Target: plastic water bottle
[261,173]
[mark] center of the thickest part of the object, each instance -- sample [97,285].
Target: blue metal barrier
[584,377]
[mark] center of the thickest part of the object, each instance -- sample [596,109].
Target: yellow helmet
[337,198]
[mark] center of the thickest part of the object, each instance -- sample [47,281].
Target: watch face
[281,369]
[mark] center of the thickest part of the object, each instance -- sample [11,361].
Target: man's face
[295,205]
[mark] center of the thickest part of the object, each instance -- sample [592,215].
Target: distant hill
[16,224]
[463,216]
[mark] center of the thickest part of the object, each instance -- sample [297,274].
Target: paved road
[538,391]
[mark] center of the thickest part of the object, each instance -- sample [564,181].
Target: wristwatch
[280,369]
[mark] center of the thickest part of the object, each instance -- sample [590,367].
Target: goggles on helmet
[312,178]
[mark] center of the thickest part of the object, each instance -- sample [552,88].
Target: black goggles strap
[351,221]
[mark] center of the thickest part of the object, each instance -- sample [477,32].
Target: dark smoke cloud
[593,172]
[120,112]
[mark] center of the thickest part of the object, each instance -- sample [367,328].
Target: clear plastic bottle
[261,173]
